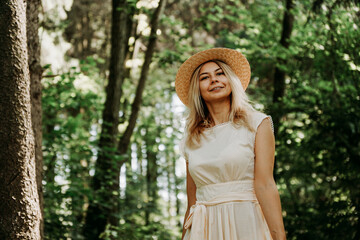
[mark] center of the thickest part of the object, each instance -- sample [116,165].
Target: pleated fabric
[223,171]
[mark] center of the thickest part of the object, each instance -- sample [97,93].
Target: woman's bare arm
[265,187]
[191,195]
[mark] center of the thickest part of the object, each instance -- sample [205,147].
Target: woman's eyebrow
[208,73]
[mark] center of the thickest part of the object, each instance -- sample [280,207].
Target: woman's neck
[219,111]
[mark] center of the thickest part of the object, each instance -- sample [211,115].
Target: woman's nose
[214,79]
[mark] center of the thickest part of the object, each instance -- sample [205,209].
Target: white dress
[223,171]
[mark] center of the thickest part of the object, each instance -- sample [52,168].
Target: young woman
[229,151]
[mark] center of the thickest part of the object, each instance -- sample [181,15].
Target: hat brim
[237,62]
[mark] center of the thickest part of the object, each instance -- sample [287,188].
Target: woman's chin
[218,99]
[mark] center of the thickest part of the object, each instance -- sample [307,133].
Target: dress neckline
[218,125]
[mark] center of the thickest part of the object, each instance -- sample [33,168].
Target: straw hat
[233,58]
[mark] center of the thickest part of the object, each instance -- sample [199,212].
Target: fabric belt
[197,215]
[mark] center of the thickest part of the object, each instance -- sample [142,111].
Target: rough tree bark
[19,204]
[33,43]
[105,183]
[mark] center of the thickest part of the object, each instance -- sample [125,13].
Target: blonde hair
[199,117]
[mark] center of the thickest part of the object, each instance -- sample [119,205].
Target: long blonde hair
[199,117]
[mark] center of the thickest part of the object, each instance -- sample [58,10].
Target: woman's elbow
[265,185]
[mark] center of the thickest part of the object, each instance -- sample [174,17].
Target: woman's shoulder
[257,117]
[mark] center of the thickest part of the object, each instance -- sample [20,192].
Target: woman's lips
[216,88]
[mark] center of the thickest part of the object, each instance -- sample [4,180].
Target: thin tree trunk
[177,183]
[279,76]
[98,215]
[130,197]
[33,43]
[79,31]
[107,171]
[151,175]
[135,108]
[20,212]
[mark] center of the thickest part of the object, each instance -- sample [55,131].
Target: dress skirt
[226,211]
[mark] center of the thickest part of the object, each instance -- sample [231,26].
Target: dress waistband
[211,191]
[197,215]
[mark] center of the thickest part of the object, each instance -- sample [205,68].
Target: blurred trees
[318,128]
[103,208]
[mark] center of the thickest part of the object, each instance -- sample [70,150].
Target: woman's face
[214,85]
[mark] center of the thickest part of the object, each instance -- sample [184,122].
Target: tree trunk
[80,29]
[135,108]
[33,43]
[151,175]
[107,169]
[19,200]
[104,208]
[176,189]
[279,77]
[130,197]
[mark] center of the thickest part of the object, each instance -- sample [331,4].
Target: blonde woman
[229,152]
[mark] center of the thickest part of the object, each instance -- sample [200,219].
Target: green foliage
[317,146]
[130,231]
[144,214]
[318,141]
[70,119]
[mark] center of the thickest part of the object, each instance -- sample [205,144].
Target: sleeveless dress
[223,171]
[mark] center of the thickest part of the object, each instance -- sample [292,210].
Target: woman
[229,152]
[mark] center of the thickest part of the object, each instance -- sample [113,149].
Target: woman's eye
[203,78]
[220,73]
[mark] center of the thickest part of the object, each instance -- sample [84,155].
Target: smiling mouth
[216,88]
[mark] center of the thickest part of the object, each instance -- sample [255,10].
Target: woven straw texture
[233,58]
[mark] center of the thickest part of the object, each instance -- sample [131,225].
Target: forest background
[108,121]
